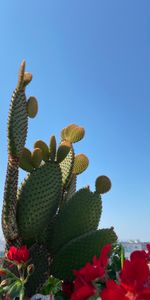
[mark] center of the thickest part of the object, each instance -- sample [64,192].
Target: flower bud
[2,272]
[5,282]
[30,269]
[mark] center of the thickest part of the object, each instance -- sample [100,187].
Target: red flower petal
[19,255]
[113,292]
[12,253]
[83,293]
[134,273]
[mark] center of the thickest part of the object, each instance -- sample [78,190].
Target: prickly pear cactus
[57,223]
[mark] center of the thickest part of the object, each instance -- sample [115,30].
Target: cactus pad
[43,146]
[79,251]
[52,147]
[25,161]
[80,215]
[63,137]
[36,157]
[9,224]
[17,123]
[70,188]
[73,133]
[38,200]
[18,118]
[40,258]
[102,184]
[66,167]
[32,107]
[81,163]
[63,151]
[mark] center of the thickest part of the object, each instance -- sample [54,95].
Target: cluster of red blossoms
[133,281]
[18,255]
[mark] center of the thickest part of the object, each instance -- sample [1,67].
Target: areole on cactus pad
[58,224]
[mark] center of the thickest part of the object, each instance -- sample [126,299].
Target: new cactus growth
[32,107]
[57,223]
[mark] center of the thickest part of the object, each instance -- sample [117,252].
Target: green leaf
[14,289]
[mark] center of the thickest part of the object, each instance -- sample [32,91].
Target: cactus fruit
[46,213]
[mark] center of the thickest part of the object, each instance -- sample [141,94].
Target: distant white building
[132,245]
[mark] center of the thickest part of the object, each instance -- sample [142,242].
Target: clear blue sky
[91,66]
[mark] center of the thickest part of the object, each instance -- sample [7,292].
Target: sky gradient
[90,62]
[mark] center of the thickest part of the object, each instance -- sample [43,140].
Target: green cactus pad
[9,224]
[25,161]
[66,167]
[79,251]
[36,157]
[40,258]
[32,107]
[18,118]
[52,147]
[17,123]
[70,189]
[80,215]
[63,151]
[43,146]
[81,163]
[73,133]
[102,184]
[38,200]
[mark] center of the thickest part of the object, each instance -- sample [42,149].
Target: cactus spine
[58,223]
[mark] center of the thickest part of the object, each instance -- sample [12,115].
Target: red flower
[83,293]
[134,280]
[148,252]
[18,255]
[113,291]
[103,260]
[89,273]
[135,272]
[83,284]
[95,270]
